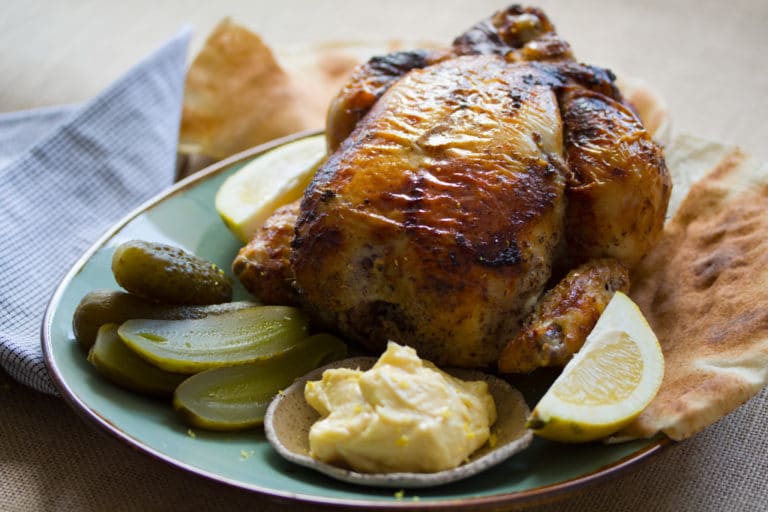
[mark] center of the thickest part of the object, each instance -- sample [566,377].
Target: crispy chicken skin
[562,319]
[366,85]
[617,192]
[516,33]
[458,180]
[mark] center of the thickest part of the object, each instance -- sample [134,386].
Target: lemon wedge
[607,383]
[273,179]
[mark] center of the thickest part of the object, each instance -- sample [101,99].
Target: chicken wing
[263,266]
[565,315]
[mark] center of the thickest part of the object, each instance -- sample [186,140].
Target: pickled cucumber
[234,337]
[168,274]
[237,397]
[100,307]
[122,366]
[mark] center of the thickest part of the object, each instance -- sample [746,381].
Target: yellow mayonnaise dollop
[404,414]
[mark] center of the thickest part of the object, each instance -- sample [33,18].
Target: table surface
[705,57]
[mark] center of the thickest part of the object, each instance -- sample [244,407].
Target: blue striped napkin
[66,175]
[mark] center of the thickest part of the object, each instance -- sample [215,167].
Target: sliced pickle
[237,397]
[101,307]
[169,274]
[235,337]
[123,367]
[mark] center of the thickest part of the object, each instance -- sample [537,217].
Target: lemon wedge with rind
[607,383]
[273,179]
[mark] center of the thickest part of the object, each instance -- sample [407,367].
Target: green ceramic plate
[185,216]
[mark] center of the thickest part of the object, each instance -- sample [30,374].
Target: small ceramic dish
[289,418]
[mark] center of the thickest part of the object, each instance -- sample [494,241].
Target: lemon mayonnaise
[402,415]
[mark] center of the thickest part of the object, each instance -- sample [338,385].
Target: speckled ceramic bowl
[289,418]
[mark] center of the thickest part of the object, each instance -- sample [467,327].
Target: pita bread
[237,95]
[704,290]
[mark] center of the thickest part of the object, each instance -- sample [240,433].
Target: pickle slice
[100,307]
[235,337]
[123,367]
[236,397]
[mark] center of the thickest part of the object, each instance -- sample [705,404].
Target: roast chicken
[462,184]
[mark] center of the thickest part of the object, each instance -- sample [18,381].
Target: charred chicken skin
[460,184]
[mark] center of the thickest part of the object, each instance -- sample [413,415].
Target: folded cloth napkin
[76,171]
[19,131]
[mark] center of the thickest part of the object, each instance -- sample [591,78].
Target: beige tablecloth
[705,57]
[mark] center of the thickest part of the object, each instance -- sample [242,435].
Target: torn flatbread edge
[703,388]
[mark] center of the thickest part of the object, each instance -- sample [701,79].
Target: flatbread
[704,290]
[238,95]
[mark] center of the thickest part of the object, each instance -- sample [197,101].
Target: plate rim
[529,497]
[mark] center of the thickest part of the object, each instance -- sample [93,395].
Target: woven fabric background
[706,57]
[89,167]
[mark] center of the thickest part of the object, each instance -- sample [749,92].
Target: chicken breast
[435,221]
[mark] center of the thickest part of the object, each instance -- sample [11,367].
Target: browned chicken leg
[618,185]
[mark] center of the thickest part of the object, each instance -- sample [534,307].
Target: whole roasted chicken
[461,185]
